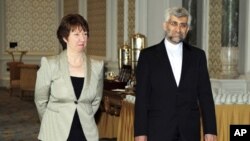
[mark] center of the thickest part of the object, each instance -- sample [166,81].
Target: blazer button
[75,102]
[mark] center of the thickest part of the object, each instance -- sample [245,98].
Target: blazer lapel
[87,75]
[65,73]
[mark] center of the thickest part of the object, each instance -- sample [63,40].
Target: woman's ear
[65,40]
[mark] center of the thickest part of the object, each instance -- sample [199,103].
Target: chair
[27,78]
[14,75]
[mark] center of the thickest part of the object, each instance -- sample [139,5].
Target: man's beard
[172,40]
[170,37]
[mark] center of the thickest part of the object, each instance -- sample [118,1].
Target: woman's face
[77,40]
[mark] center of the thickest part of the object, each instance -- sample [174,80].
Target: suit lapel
[64,68]
[186,58]
[167,69]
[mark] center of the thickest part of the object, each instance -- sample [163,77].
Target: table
[230,114]
[110,114]
[225,115]
[11,52]
[120,124]
[126,122]
[107,125]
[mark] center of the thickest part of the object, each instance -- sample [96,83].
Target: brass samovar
[124,55]
[128,57]
[138,42]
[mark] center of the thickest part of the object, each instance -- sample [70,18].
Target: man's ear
[164,25]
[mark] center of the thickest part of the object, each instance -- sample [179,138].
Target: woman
[69,87]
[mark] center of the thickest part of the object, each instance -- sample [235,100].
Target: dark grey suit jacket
[162,109]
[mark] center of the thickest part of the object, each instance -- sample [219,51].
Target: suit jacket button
[75,102]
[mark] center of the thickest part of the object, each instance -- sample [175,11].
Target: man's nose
[178,28]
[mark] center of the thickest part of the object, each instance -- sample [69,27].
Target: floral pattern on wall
[32,24]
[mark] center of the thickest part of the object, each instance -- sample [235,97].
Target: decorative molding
[247,36]
[205,26]
[82,8]
[2,28]
[114,31]
[140,17]
[235,91]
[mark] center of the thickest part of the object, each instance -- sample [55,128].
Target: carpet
[18,118]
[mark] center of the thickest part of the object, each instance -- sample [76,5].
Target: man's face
[176,29]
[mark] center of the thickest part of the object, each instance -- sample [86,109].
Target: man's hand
[210,137]
[141,138]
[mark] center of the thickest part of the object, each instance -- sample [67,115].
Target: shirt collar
[171,46]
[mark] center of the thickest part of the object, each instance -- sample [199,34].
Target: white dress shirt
[174,52]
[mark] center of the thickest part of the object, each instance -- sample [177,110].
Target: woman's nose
[83,37]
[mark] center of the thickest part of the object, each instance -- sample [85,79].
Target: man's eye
[174,23]
[183,25]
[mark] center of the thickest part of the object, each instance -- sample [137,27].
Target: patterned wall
[130,23]
[97,26]
[70,6]
[33,24]
[131,17]
[120,23]
[214,63]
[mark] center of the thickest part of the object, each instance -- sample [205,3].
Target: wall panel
[97,25]
[32,24]
[70,6]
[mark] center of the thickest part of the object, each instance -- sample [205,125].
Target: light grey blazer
[56,101]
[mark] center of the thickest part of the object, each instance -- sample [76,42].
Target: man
[173,88]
